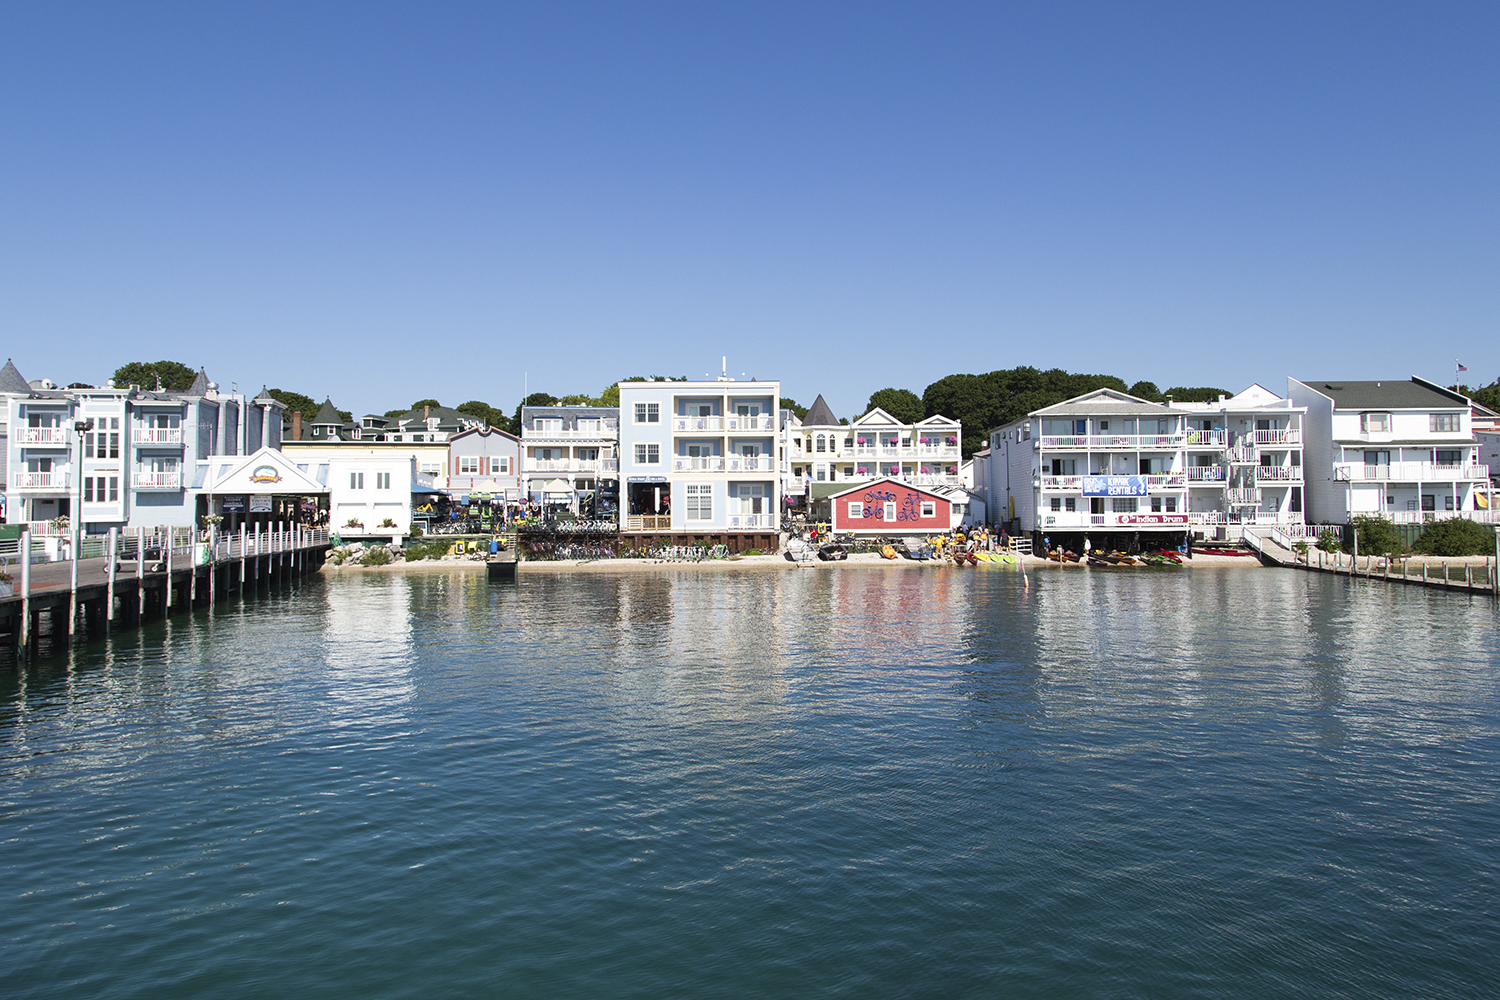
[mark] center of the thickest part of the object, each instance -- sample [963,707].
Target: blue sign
[1114,486]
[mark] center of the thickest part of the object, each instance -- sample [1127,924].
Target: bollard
[111,566]
[25,549]
[140,574]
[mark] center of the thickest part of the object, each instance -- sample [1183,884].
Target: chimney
[296,425]
[426,413]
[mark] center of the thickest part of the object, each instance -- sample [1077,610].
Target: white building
[1244,456]
[818,449]
[698,461]
[371,487]
[125,453]
[1403,449]
[570,455]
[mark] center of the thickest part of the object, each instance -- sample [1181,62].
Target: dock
[1275,549]
[136,580]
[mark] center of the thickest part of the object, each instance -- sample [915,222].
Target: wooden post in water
[213,560]
[74,544]
[25,550]
[140,574]
[193,568]
[242,558]
[112,562]
[1445,572]
[166,599]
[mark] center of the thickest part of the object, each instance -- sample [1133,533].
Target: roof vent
[1377,385]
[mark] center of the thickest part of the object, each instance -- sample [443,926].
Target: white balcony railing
[1287,436]
[760,422]
[156,481]
[693,425]
[569,465]
[1279,473]
[1205,474]
[934,479]
[1242,496]
[39,480]
[42,437]
[1070,483]
[1166,481]
[1115,442]
[749,463]
[1407,471]
[752,521]
[609,432]
[152,436]
[1205,439]
[711,463]
[937,451]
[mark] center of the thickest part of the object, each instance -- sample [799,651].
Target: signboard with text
[1153,519]
[260,504]
[232,504]
[1114,486]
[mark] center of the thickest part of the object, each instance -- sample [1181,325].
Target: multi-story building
[698,461]
[485,460]
[1244,460]
[570,455]
[1403,449]
[127,455]
[818,449]
[427,425]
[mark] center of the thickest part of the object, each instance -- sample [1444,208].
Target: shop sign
[1153,519]
[232,504]
[260,503]
[1114,486]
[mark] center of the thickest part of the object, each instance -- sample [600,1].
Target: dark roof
[485,432]
[1397,394]
[328,415]
[200,384]
[444,414]
[819,414]
[11,380]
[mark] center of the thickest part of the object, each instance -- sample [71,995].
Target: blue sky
[386,202]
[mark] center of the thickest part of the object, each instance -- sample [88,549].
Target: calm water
[851,783]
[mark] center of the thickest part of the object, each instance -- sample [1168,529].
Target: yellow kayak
[888,551]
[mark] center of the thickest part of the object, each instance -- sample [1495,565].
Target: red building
[891,507]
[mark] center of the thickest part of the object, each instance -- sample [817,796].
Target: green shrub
[1330,540]
[1377,536]
[377,556]
[1456,536]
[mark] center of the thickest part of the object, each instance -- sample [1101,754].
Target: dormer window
[1375,423]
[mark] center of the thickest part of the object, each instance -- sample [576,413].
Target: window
[1070,503]
[856,509]
[822,443]
[589,426]
[88,489]
[1429,501]
[356,480]
[114,488]
[1448,457]
[500,466]
[1156,505]
[890,510]
[1448,502]
[431,468]
[1057,503]
[1064,466]
[700,502]
[1295,506]
[468,465]
[929,508]
[648,413]
[1375,423]
[647,454]
[1443,422]
[1123,505]
[382,480]
[746,409]
[547,425]
[1171,505]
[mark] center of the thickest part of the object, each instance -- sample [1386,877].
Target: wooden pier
[1460,578]
[136,580]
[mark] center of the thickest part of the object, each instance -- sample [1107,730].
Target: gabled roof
[327,414]
[1398,394]
[819,414]
[484,432]
[264,471]
[11,380]
[938,420]
[872,483]
[200,384]
[444,414]
[876,418]
[1106,403]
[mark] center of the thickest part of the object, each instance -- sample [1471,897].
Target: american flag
[1461,367]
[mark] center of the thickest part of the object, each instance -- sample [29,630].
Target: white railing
[793,485]
[46,529]
[569,465]
[1290,435]
[1242,495]
[39,480]
[39,436]
[1062,482]
[1429,516]
[749,463]
[1244,453]
[761,422]
[1279,473]
[609,432]
[934,479]
[1170,480]
[1205,439]
[156,481]
[710,463]
[937,451]
[752,521]
[1105,442]
[1205,474]
[1412,471]
[158,435]
[694,424]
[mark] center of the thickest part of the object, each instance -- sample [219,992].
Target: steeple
[819,415]
[11,380]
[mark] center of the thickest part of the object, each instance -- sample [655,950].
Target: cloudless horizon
[383,202]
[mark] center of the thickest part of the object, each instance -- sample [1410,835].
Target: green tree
[788,403]
[1456,536]
[1196,394]
[903,404]
[535,399]
[423,402]
[173,375]
[1377,536]
[492,416]
[983,402]
[294,402]
[1147,391]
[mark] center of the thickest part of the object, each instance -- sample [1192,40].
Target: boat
[888,551]
[913,547]
[832,552]
[799,551]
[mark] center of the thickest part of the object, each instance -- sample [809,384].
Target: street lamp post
[82,427]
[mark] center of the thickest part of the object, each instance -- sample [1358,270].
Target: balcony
[1243,496]
[589,465]
[1358,472]
[148,437]
[1063,520]
[751,522]
[1115,442]
[1072,484]
[794,485]
[749,463]
[740,424]
[1279,473]
[933,479]
[156,481]
[1205,474]
[648,522]
[608,432]
[54,482]
[1286,436]
[695,425]
[42,437]
[708,463]
[1205,439]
